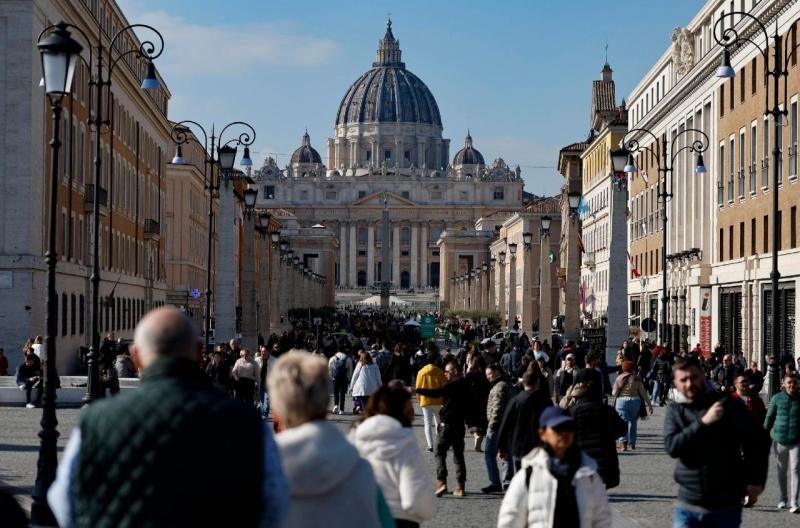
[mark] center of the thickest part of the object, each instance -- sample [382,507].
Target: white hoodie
[329,484]
[397,462]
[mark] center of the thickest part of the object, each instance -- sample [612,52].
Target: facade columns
[485,289]
[413,254]
[225,296]
[527,288]
[492,305]
[370,254]
[501,291]
[264,308]
[249,317]
[343,254]
[423,257]
[353,277]
[275,306]
[396,255]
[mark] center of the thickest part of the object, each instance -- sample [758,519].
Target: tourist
[724,374]
[3,363]
[29,380]
[631,398]
[500,394]
[217,372]
[565,376]
[722,452]
[265,362]
[783,424]
[518,432]
[558,486]
[158,456]
[340,367]
[329,484]
[755,377]
[245,375]
[751,399]
[430,377]
[480,387]
[385,439]
[365,381]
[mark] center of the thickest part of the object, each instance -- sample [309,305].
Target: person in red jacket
[753,402]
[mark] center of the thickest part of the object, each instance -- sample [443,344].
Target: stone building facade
[388,143]
[133,151]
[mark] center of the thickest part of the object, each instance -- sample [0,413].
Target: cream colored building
[134,152]
[388,143]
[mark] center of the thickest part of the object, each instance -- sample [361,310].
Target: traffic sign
[484,321]
[648,325]
[195,293]
[427,326]
[317,321]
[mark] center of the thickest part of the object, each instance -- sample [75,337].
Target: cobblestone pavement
[644,498]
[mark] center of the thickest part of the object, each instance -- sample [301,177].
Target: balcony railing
[88,199]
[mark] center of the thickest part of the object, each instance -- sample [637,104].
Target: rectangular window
[753,249]
[793,140]
[499,193]
[779,227]
[765,155]
[405,194]
[731,94]
[730,242]
[63,314]
[269,192]
[766,234]
[721,244]
[731,154]
[721,177]
[407,155]
[742,75]
[780,154]
[387,155]
[330,195]
[741,239]
[753,75]
[72,310]
[741,163]
[721,100]
[753,145]
[793,227]
[81,315]
[369,155]
[362,194]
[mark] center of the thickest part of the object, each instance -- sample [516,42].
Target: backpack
[339,368]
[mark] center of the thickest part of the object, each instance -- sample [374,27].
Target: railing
[88,199]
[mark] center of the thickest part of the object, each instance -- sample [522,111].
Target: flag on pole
[636,272]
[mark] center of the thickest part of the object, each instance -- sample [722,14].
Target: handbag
[643,411]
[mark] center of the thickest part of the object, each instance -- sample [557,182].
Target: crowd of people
[552,423]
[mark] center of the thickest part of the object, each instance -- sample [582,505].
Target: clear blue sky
[516,73]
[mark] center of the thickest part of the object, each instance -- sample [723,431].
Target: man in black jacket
[725,374]
[722,451]
[456,411]
[519,430]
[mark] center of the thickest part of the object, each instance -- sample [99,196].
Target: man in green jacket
[783,423]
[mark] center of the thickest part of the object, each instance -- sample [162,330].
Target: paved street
[644,498]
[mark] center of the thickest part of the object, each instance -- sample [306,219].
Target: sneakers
[335,410]
[430,450]
[794,509]
[30,406]
[478,444]
[623,446]
[441,488]
[491,489]
[459,491]
[782,505]
[341,411]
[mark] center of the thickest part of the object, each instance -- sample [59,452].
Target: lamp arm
[634,145]
[698,145]
[148,49]
[246,138]
[730,36]
[180,134]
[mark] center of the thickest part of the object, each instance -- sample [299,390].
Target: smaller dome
[306,153]
[468,155]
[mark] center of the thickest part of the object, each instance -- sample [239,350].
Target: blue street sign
[195,293]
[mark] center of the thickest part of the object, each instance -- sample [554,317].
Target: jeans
[729,518]
[628,409]
[430,418]
[36,388]
[490,456]
[263,397]
[340,392]
[788,462]
[660,389]
[450,436]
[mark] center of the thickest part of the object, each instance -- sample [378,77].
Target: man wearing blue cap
[558,484]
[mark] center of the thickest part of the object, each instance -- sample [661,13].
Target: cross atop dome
[389,53]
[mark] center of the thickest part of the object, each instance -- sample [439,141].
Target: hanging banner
[705,320]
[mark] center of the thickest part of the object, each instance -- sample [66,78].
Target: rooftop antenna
[606,51]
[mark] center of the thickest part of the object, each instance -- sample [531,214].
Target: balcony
[152,229]
[588,259]
[88,200]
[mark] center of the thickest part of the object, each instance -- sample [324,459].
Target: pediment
[376,200]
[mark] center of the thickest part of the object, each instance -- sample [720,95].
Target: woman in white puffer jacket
[558,485]
[365,381]
[385,439]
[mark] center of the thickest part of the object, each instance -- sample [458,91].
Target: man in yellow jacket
[430,377]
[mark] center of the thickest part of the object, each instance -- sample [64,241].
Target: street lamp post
[512,286]
[59,54]
[729,38]
[622,163]
[98,85]
[180,136]
[545,311]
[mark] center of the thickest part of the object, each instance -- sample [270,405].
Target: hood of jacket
[383,437]
[316,458]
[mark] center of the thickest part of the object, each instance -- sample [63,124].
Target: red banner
[705,321]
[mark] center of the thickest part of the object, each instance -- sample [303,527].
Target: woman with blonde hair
[631,396]
[365,381]
[330,485]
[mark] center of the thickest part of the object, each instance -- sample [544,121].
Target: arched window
[405,235]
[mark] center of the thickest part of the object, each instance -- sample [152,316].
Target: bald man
[159,456]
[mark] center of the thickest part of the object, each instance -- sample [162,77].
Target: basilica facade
[388,147]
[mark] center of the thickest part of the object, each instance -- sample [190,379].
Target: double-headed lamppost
[224,162]
[512,286]
[730,38]
[545,309]
[623,164]
[502,290]
[100,117]
[59,53]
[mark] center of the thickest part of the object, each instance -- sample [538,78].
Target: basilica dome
[306,153]
[388,93]
[468,155]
